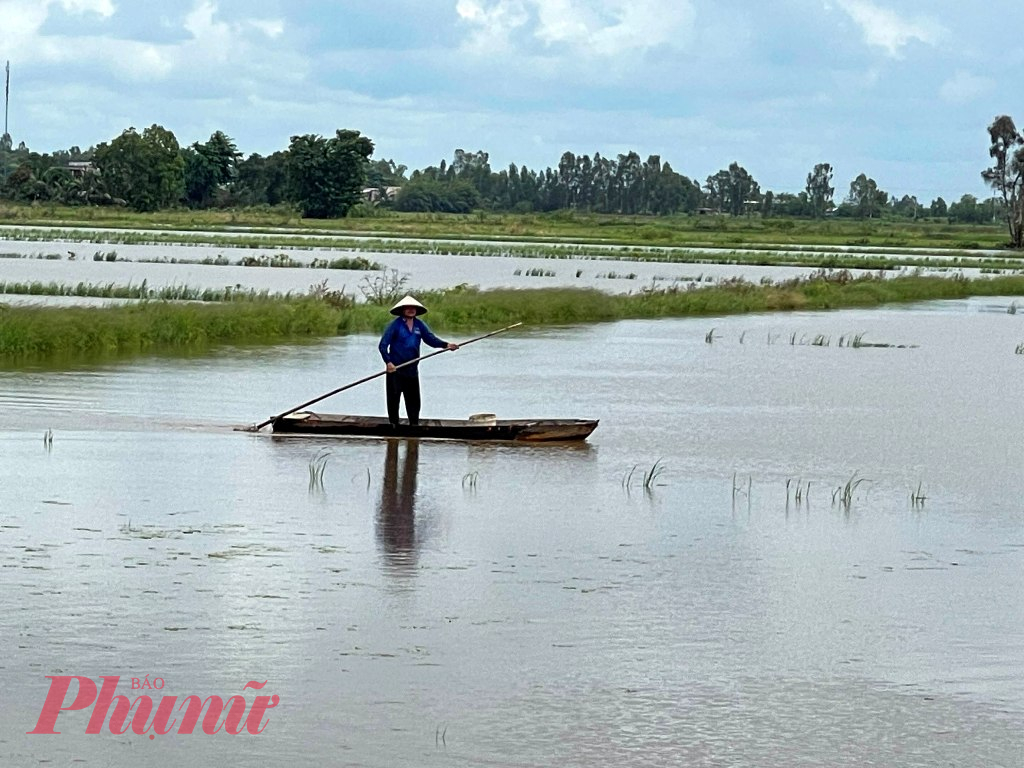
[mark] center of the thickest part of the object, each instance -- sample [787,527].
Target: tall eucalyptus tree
[1006,175]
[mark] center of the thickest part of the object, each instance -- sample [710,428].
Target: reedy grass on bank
[78,334]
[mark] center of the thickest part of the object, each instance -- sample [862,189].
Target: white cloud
[104,8]
[883,28]
[492,26]
[607,28]
[272,28]
[963,87]
[210,41]
[21,40]
[21,22]
[559,22]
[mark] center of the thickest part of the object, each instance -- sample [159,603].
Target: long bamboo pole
[272,419]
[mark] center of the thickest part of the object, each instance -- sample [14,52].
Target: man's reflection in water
[396,515]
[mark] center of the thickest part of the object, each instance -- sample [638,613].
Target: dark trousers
[399,386]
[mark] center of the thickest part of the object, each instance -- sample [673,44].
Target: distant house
[373,194]
[707,211]
[78,168]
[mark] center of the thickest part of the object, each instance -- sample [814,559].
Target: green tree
[586,182]
[527,190]
[670,192]
[967,211]
[208,167]
[743,190]
[730,190]
[385,173]
[260,180]
[326,176]
[1006,175]
[425,194]
[474,168]
[61,185]
[717,191]
[788,204]
[24,186]
[146,171]
[820,190]
[907,206]
[938,208]
[8,160]
[865,198]
[628,179]
[569,178]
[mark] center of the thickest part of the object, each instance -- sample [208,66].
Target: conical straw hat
[408,301]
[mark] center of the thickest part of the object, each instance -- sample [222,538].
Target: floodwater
[440,603]
[160,266]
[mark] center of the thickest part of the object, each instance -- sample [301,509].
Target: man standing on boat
[400,344]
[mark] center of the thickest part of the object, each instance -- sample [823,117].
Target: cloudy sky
[901,90]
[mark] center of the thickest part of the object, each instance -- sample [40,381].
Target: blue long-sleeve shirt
[400,345]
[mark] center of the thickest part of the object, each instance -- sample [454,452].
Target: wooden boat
[474,428]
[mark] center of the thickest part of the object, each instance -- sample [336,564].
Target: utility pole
[5,139]
[7,93]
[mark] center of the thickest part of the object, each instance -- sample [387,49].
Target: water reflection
[396,513]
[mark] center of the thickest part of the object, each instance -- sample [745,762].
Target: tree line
[329,177]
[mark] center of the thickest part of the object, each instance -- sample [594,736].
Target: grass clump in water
[647,479]
[843,494]
[917,497]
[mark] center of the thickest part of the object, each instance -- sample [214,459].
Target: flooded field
[161,266]
[826,565]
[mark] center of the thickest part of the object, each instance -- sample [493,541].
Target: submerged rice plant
[843,495]
[801,491]
[317,465]
[917,497]
[737,491]
[652,475]
[647,479]
[855,340]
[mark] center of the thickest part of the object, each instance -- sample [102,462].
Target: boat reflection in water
[396,513]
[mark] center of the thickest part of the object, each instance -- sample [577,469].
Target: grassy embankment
[75,335]
[680,230]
